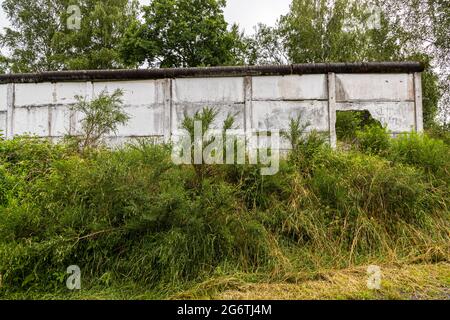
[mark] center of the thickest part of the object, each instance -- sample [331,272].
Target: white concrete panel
[137,93]
[374,87]
[295,87]
[66,91]
[398,116]
[209,90]
[34,94]
[224,109]
[31,121]
[270,115]
[60,121]
[144,121]
[3,123]
[3,97]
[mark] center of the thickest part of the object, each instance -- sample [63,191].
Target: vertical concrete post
[248,116]
[10,110]
[50,110]
[168,112]
[248,97]
[332,109]
[418,104]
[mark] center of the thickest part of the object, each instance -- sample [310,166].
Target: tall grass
[131,216]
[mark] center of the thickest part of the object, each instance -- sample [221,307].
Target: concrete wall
[261,103]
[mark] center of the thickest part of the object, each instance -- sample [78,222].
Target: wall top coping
[236,71]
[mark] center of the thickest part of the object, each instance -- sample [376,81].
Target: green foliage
[423,152]
[132,216]
[180,33]
[265,46]
[440,132]
[39,39]
[424,27]
[320,31]
[348,123]
[304,145]
[373,139]
[96,44]
[101,116]
[125,212]
[356,184]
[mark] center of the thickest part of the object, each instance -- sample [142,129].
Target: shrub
[347,123]
[102,116]
[131,216]
[423,152]
[373,139]
[352,183]
[126,212]
[440,132]
[304,145]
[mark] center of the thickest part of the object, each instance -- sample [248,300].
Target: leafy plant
[304,145]
[102,116]
[373,139]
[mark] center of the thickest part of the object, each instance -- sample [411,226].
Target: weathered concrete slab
[374,87]
[271,115]
[237,110]
[138,93]
[34,94]
[59,118]
[296,87]
[208,90]
[3,118]
[397,116]
[33,120]
[65,92]
[261,98]
[3,97]
[144,121]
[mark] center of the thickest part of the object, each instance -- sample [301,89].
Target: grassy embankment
[141,227]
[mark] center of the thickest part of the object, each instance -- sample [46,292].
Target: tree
[425,26]
[266,46]
[337,30]
[102,116]
[39,38]
[180,33]
[95,45]
[346,30]
[29,40]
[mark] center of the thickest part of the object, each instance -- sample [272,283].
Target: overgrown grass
[132,219]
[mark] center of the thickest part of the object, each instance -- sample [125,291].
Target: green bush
[130,215]
[347,123]
[373,140]
[351,183]
[129,212]
[440,132]
[423,152]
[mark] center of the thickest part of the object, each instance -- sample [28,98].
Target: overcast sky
[247,13]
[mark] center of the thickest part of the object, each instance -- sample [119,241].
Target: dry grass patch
[431,281]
